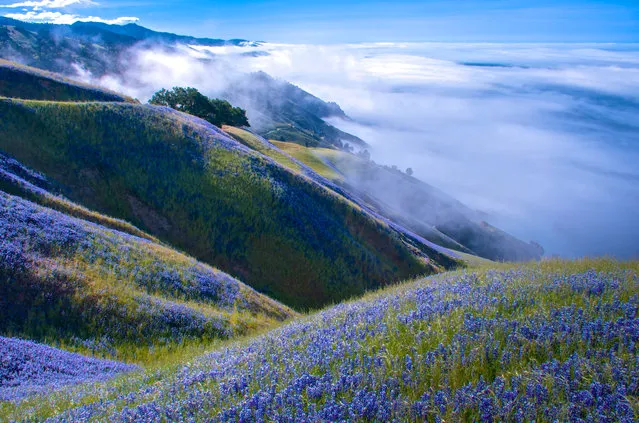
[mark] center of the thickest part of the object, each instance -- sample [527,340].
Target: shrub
[191,101]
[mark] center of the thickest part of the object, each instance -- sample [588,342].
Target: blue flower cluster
[520,345]
[27,368]
[67,280]
[36,232]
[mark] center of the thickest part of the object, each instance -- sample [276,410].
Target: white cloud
[542,137]
[67,19]
[47,4]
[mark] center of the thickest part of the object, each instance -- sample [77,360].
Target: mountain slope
[95,47]
[68,281]
[414,204]
[276,108]
[184,181]
[280,110]
[555,341]
[34,84]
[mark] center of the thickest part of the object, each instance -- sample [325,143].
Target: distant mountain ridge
[130,33]
[278,109]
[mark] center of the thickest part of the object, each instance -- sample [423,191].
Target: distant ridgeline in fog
[277,110]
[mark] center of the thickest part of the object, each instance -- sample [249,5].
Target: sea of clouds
[544,139]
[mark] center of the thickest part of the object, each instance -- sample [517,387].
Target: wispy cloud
[41,12]
[47,4]
[67,18]
[543,138]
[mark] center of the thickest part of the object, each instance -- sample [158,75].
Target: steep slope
[414,204]
[555,341]
[304,160]
[34,84]
[68,281]
[280,110]
[18,180]
[184,181]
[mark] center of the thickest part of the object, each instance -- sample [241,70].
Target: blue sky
[332,21]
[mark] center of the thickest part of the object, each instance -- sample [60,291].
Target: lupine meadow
[156,268]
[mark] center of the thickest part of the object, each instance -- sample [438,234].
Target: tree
[190,100]
[409,171]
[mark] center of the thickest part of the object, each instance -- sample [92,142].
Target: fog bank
[542,138]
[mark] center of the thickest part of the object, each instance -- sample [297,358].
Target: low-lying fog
[543,138]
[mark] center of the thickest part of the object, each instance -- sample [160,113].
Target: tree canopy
[190,100]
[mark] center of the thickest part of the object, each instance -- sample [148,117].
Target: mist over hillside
[200,229]
[540,139]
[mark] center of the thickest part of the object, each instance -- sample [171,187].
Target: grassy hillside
[74,283]
[261,145]
[280,110]
[413,204]
[309,158]
[554,341]
[24,82]
[18,180]
[187,183]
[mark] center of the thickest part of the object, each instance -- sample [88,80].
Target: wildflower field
[555,341]
[69,282]
[187,183]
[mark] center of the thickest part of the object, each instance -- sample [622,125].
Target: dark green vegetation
[415,205]
[183,181]
[191,101]
[69,282]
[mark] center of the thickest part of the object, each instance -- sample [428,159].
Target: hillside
[414,204]
[34,84]
[28,368]
[67,281]
[547,342]
[280,110]
[185,182]
[276,108]
[96,47]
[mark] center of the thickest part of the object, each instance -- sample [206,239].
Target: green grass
[89,289]
[309,157]
[524,294]
[61,204]
[181,181]
[252,141]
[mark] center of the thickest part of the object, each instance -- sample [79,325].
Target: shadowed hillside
[96,47]
[184,181]
[282,111]
[65,280]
